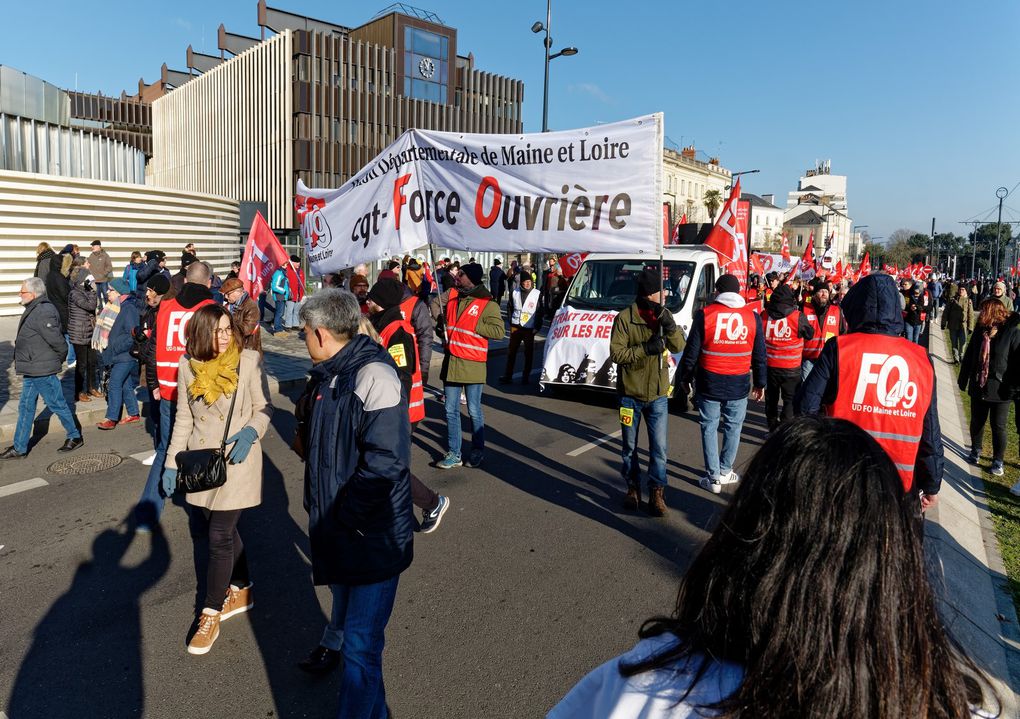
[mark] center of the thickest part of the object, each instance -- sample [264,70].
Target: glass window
[611,284]
[426,43]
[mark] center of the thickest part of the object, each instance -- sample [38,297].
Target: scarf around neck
[216,377]
[101,334]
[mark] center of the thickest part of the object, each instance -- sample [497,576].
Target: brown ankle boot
[656,502]
[633,498]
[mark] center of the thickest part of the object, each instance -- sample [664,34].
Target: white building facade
[686,179]
[819,206]
[766,225]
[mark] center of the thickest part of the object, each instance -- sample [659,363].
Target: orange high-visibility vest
[171,320]
[784,346]
[461,339]
[416,401]
[826,328]
[729,340]
[884,387]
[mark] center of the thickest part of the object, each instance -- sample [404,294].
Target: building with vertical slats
[315,100]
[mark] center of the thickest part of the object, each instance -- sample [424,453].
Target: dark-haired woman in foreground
[810,599]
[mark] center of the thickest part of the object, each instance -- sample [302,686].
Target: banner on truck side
[572,191]
[577,349]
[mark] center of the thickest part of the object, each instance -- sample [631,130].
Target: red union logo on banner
[571,263]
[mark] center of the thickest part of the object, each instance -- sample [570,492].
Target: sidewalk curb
[94,412]
[1003,647]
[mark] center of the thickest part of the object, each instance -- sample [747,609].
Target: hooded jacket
[122,334]
[781,305]
[640,375]
[872,306]
[721,387]
[39,349]
[357,446]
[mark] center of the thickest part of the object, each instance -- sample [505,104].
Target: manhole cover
[85,464]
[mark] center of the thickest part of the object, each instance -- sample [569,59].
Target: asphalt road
[535,576]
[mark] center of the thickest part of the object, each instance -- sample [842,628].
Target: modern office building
[315,100]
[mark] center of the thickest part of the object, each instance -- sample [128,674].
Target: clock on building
[426,68]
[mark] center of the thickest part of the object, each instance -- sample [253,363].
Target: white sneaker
[711,484]
[149,460]
[730,478]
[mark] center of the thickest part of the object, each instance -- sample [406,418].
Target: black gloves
[667,322]
[655,346]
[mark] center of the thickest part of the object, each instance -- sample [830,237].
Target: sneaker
[72,365]
[973,456]
[474,459]
[149,460]
[238,600]
[206,634]
[130,419]
[430,520]
[450,461]
[997,469]
[730,477]
[711,484]
[463,399]
[107,424]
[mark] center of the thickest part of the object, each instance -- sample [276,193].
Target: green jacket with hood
[490,325]
[639,375]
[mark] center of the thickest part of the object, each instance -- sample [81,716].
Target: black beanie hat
[648,282]
[474,272]
[159,284]
[386,293]
[727,283]
[157,255]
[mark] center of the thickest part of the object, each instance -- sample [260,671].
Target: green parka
[490,325]
[639,375]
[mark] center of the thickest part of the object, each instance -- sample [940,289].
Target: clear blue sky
[916,102]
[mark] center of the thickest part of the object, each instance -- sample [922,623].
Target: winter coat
[958,315]
[246,318]
[1003,382]
[458,370]
[145,272]
[82,305]
[539,315]
[357,451]
[640,375]
[872,306]
[131,274]
[497,280]
[39,348]
[122,334]
[915,306]
[712,385]
[147,327]
[100,265]
[53,270]
[200,426]
[279,285]
[424,332]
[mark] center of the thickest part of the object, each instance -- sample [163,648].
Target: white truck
[577,344]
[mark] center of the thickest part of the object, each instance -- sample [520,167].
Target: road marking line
[22,487]
[596,443]
[141,456]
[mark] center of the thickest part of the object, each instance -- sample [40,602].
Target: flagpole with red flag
[263,254]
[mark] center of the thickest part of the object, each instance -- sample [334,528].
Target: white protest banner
[774,263]
[577,349]
[593,189]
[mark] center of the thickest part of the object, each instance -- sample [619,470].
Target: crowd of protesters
[800,346]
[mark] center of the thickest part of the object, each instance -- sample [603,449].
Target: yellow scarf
[215,377]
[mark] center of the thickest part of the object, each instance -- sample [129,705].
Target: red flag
[683,220]
[263,254]
[786,248]
[675,239]
[837,274]
[865,269]
[428,274]
[571,263]
[807,262]
[723,238]
[757,266]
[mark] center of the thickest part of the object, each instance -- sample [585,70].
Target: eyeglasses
[224,331]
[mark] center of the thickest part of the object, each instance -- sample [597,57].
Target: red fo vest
[884,387]
[783,344]
[407,307]
[416,402]
[729,340]
[461,339]
[170,343]
[828,327]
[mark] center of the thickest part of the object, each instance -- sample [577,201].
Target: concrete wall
[125,217]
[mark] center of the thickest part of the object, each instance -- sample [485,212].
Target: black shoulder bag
[199,470]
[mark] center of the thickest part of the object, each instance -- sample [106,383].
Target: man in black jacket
[39,352]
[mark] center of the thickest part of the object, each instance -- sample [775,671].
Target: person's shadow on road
[85,658]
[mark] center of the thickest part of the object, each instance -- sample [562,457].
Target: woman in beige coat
[212,370]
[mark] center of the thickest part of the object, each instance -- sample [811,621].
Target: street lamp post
[1001,193]
[567,51]
[738,174]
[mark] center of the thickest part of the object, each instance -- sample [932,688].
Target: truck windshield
[612,284]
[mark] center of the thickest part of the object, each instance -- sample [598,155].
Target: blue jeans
[656,414]
[278,309]
[123,381]
[53,397]
[356,628]
[290,314]
[912,332]
[71,356]
[806,366]
[731,413]
[474,404]
[101,291]
[150,504]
